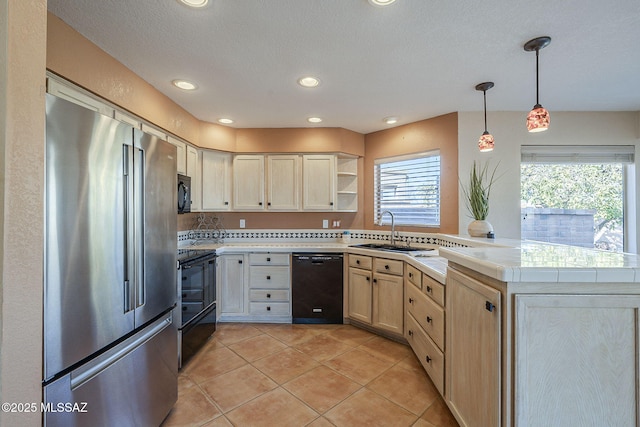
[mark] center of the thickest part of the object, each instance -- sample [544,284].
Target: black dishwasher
[317,288]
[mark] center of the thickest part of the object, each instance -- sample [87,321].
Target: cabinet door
[472,359]
[576,360]
[232,283]
[193,171]
[248,182]
[77,97]
[318,182]
[181,156]
[283,182]
[388,303]
[216,181]
[360,295]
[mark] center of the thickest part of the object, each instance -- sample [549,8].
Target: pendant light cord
[485,110]
[537,78]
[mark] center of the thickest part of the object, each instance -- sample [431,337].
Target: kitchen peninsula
[536,334]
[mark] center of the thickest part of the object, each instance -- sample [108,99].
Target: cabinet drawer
[268,295]
[433,288]
[388,266]
[414,276]
[427,313]
[360,261]
[430,356]
[269,308]
[269,277]
[268,259]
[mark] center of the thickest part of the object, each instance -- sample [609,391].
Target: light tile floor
[305,375]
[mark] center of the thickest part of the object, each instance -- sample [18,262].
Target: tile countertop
[428,262]
[544,262]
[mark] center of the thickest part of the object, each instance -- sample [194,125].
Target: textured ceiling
[414,59]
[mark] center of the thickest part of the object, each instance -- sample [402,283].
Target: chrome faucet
[393,225]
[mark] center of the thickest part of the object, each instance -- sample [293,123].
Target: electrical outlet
[325,223]
[242,223]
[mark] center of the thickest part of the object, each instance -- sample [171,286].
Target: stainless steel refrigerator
[110,344]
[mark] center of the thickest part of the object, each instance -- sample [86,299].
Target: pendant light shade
[538,118]
[486,141]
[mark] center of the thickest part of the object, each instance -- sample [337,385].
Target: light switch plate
[325,223]
[242,223]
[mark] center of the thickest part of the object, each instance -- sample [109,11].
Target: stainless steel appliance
[317,288]
[184,194]
[110,286]
[196,300]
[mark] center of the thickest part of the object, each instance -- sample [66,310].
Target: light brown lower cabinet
[541,354]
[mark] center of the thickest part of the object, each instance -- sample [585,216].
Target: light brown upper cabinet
[318,182]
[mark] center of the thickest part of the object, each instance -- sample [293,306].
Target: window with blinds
[409,187]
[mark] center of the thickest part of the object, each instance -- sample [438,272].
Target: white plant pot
[479,228]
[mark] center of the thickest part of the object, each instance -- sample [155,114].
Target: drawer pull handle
[410,333]
[268,308]
[410,275]
[429,289]
[268,259]
[410,300]
[386,267]
[429,319]
[268,277]
[428,359]
[268,295]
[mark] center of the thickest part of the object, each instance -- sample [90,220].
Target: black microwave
[184,194]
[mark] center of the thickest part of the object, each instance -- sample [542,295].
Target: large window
[409,187]
[577,195]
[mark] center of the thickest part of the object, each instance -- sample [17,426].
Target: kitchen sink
[388,247]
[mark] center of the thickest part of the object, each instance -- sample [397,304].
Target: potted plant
[477,198]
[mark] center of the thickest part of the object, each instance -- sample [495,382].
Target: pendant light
[538,118]
[486,140]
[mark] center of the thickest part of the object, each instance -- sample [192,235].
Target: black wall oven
[196,300]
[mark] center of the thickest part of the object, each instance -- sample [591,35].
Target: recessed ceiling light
[391,120]
[381,2]
[308,81]
[314,120]
[225,121]
[195,3]
[185,85]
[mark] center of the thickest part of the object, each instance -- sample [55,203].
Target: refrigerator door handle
[96,367]
[139,207]
[129,236]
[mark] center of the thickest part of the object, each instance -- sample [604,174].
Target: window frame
[379,201]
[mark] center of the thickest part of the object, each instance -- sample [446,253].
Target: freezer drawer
[132,384]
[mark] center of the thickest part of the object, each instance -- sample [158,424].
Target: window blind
[577,153]
[409,187]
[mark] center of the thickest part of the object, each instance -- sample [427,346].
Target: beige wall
[436,133]
[22,78]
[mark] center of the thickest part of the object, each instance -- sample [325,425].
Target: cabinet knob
[239,261]
[184,308]
[429,289]
[375,280]
[429,319]
[489,306]
[410,300]
[410,333]
[357,261]
[184,295]
[184,277]
[226,203]
[268,308]
[268,203]
[268,259]
[260,203]
[386,267]
[428,359]
[268,277]
[411,275]
[268,295]
[331,204]
[368,278]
